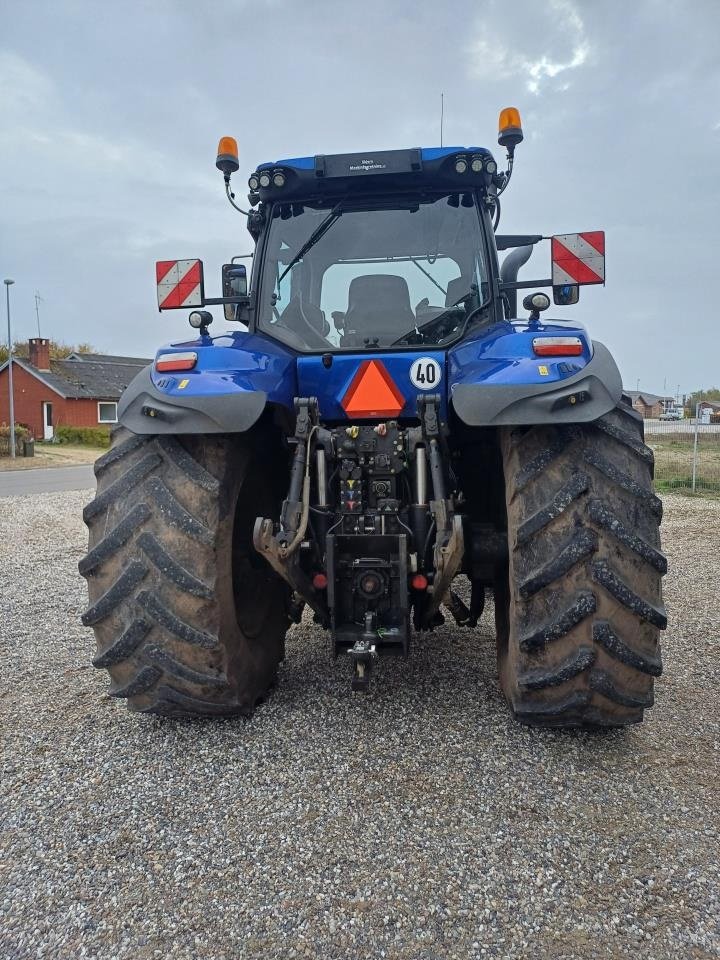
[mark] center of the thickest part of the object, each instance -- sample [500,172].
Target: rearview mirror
[234,284]
[566,294]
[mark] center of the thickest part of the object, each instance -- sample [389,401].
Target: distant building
[80,391]
[650,405]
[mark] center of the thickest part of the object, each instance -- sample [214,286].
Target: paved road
[21,483]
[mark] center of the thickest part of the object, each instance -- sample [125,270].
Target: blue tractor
[385,441]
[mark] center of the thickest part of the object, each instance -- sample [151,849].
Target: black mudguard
[145,409]
[583,397]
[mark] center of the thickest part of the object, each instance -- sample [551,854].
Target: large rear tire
[189,620]
[584,602]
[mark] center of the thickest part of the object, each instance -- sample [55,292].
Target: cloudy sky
[110,115]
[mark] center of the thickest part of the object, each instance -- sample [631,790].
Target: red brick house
[650,405]
[80,391]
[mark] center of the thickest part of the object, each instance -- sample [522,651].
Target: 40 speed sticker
[425,373]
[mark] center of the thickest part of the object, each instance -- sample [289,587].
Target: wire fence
[687,455]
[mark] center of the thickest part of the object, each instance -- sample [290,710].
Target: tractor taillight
[167,362]
[557,346]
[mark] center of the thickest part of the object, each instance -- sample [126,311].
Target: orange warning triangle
[372,392]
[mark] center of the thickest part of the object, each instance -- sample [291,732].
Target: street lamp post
[8,284]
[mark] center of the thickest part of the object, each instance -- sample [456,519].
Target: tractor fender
[143,408]
[580,398]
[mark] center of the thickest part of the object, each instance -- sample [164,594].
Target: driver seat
[299,316]
[378,306]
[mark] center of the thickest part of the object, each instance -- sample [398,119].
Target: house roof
[648,398]
[86,379]
[108,358]
[90,378]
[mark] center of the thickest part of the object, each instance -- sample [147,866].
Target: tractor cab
[374,251]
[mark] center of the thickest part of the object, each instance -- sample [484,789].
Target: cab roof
[385,171]
[426,155]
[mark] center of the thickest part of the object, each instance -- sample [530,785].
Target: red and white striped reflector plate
[175,361]
[179,283]
[578,258]
[557,346]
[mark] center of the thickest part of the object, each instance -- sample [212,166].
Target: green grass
[674,463]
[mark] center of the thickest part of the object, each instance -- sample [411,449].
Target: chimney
[40,353]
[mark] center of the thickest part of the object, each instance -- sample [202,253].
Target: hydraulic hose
[305,500]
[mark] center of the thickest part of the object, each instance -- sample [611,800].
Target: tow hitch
[362,653]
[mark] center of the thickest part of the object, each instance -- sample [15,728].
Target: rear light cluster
[557,346]
[167,362]
[320,581]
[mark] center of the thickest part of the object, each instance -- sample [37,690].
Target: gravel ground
[417,822]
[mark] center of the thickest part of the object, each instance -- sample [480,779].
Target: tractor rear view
[384,423]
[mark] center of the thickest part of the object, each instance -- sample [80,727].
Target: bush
[21,432]
[86,436]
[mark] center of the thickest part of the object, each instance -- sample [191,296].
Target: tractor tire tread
[169,568]
[194,471]
[582,543]
[601,515]
[603,574]
[565,496]
[159,573]
[164,617]
[121,487]
[584,599]
[604,634]
[175,513]
[132,575]
[128,641]
[584,604]
[143,681]
[119,452]
[117,538]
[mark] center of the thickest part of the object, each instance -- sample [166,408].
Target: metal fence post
[8,283]
[695,446]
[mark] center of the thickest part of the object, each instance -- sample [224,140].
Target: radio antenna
[442,112]
[38,300]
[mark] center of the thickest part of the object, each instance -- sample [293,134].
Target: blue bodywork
[493,367]
[235,362]
[499,355]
